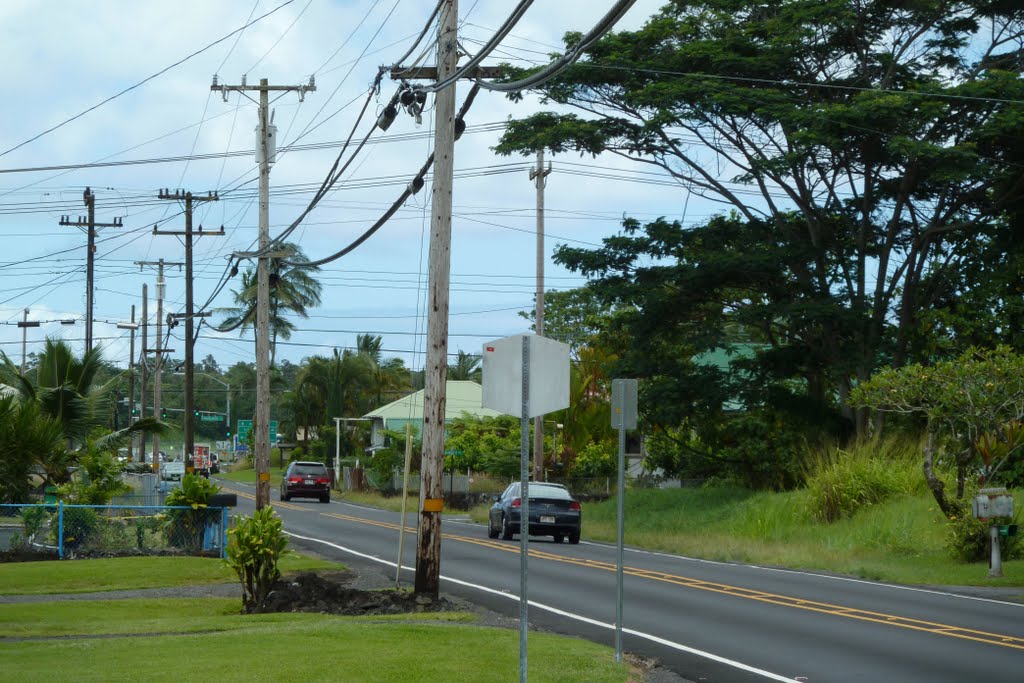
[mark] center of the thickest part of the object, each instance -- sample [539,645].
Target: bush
[968,539]
[255,546]
[184,528]
[596,460]
[842,482]
[80,525]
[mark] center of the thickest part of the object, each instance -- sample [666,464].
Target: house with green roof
[462,397]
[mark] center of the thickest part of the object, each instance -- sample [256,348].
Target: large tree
[868,153]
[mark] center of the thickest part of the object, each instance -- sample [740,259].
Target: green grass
[315,648]
[248,476]
[170,616]
[899,540]
[80,576]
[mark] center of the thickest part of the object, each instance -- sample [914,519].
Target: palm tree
[465,367]
[292,290]
[67,400]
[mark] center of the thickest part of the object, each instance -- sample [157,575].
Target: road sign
[210,417]
[244,427]
[624,403]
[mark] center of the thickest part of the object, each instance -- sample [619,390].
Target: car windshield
[312,470]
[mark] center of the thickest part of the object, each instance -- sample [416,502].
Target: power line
[144,81]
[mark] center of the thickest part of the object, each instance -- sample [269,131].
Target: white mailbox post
[989,504]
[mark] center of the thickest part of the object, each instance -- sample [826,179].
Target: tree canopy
[867,158]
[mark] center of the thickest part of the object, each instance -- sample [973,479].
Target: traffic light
[196,412]
[163,412]
[229,433]
[135,411]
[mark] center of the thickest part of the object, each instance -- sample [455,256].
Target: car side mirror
[495,498]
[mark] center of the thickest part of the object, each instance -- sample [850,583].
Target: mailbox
[991,503]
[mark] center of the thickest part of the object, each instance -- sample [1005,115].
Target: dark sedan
[553,512]
[306,480]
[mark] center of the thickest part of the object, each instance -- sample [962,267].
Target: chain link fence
[39,531]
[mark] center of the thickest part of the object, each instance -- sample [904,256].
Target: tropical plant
[97,479]
[969,404]
[27,437]
[186,522]
[255,546]
[293,290]
[466,367]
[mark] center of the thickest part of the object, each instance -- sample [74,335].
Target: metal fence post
[224,533]
[60,529]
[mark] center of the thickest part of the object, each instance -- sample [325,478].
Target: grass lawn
[175,639]
[82,576]
[315,648]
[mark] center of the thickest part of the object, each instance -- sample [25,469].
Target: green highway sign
[211,417]
[245,426]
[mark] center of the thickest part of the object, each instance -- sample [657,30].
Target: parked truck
[201,461]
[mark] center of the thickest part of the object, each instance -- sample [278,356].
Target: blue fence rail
[112,530]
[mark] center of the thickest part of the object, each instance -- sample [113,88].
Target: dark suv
[306,480]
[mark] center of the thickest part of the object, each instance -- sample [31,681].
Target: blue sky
[65,57]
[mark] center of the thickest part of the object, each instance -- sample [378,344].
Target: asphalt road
[707,621]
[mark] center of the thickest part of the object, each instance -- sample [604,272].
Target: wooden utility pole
[539,175]
[131,379]
[264,155]
[24,325]
[428,550]
[190,201]
[89,222]
[161,290]
[144,375]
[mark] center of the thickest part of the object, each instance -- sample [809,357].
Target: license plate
[309,482]
[545,519]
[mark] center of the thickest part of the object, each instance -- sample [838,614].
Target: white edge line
[570,615]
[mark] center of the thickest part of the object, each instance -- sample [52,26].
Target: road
[707,621]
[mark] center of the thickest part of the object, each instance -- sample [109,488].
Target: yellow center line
[735,591]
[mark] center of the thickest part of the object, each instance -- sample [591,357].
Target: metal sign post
[528,376]
[624,409]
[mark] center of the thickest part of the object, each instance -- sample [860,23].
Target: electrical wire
[603,26]
[144,81]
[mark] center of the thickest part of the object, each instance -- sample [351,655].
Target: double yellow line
[935,628]
[735,591]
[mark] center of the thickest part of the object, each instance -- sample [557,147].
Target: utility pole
[131,377]
[428,549]
[265,149]
[144,376]
[539,175]
[188,419]
[24,325]
[161,289]
[89,222]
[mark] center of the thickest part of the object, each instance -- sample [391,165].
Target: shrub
[255,546]
[841,482]
[184,528]
[596,460]
[968,539]
[80,525]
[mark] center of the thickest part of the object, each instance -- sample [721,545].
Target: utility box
[991,503]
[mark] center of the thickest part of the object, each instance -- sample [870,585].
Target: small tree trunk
[938,488]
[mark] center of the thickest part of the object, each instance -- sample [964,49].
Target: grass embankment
[200,638]
[865,512]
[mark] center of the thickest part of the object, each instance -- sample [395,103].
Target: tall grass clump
[842,481]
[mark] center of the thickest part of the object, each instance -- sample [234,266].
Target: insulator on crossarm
[387,117]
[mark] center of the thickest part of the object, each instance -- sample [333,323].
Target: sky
[168,130]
